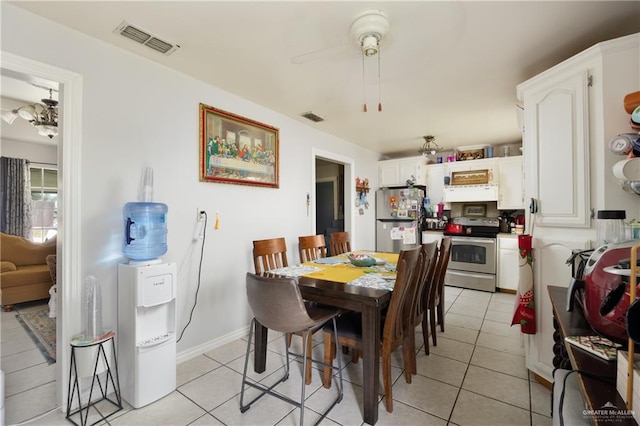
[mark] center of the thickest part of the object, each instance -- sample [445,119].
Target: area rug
[42,330]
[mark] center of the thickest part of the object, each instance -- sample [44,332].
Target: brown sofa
[24,273]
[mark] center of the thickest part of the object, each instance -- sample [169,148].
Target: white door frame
[349,187]
[69,198]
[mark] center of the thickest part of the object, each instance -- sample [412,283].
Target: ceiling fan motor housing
[368,29]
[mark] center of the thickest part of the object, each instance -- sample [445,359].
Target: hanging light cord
[379,98]
[364,90]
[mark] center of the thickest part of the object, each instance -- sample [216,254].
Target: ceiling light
[43,116]
[430,147]
[368,29]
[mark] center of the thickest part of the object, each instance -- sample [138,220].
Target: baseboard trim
[544,382]
[506,290]
[211,344]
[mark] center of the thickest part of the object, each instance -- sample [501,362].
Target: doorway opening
[329,198]
[333,189]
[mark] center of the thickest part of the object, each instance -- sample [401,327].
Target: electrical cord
[564,385]
[195,302]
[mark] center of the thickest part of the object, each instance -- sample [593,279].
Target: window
[44,199]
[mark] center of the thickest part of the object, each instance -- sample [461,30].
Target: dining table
[334,281]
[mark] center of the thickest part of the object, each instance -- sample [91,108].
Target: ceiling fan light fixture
[370,46]
[370,23]
[430,147]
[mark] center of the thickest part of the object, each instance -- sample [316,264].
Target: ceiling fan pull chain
[379,99]
[364,90]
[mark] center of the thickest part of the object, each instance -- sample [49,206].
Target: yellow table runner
[346,272]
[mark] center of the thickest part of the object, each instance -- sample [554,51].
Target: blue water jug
[145,233]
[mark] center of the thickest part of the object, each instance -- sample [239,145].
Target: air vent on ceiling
[144,37]
[313,117]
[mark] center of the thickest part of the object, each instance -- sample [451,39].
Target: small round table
[74,382]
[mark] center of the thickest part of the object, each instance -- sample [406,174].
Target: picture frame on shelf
[237,150]
[474,210]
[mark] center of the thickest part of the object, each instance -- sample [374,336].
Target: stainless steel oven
[474,252]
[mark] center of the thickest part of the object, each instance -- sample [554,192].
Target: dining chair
[339,243]
[312,247]
[436,295]
[269,254]
[272,254]
[277,304]
[416,305]
[350,327]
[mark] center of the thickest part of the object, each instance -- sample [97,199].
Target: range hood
[470,193]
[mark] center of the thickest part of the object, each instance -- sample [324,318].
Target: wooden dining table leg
[371,362]
[260,354]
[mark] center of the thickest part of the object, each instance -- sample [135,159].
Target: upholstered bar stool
[277,304]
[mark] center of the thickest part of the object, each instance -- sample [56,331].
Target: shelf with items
[362,186]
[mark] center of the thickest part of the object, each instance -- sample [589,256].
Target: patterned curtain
[15,200]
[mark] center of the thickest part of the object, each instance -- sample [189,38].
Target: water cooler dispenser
[146,331]
[146,302]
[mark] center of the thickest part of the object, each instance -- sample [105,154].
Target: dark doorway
[329,198]
[324,207]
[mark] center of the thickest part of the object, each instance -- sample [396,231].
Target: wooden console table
[596,393]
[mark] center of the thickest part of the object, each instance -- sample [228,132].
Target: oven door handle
[473,240]
[470,274]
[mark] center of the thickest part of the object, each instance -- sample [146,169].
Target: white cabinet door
[511,184]
[397,172]
[388,173]
[508,262]
[557,149]
[435,182]
[431,236]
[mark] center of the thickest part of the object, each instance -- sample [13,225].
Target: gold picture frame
[470,177]
[237,150]
[474,210]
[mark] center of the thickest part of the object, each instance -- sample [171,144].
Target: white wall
[34,152]
[137,113]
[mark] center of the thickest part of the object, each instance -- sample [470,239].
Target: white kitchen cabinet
[431,236]
[571,111]
[398,171]
[510,183]
[435,182]
[508,261]
[556,130]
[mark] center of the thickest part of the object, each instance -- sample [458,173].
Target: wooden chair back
[436,294]
[339,243]
[269,254]
[392,334]
[312,247]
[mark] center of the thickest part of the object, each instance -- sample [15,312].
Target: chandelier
[43,116]
[430,147]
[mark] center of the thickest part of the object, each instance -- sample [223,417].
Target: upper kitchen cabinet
[510,183]
[397,172]
[435,181]
[571,111]
[556,143]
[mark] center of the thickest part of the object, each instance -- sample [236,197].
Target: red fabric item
[524,310]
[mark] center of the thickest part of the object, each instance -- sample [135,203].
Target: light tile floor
[475,376]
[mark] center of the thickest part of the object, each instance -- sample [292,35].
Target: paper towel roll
[628,169]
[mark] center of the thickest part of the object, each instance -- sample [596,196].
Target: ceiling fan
[367,30]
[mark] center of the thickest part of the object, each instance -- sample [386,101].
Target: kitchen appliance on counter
[399,214]
[604,294]
[474,252]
